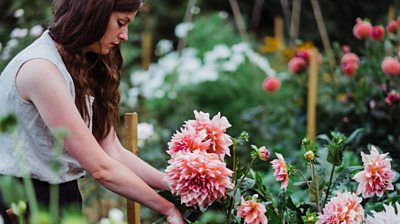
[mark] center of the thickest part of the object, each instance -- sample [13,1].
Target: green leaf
[316,183]
[355,134]
[8,123]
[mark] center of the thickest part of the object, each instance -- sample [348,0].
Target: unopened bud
[263,153]
[309,155]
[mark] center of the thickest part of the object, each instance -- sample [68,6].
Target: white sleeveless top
[32,144]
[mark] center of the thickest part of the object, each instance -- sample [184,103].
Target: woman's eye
[120,24]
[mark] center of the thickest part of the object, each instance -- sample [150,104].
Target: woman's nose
[124,35]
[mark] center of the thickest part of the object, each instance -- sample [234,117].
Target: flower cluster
[196,171]
[252,211]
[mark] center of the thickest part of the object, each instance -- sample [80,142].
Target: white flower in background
[145,131]
[223,15]
[1,220]
[195,10]
[19,13]
[205,73]
[388,216]
[261,62]
[115,216]
[132,97]
[163,47]
[240,48]
[19,33]
[169,62]
[182,29]
[36,31]
[11,45]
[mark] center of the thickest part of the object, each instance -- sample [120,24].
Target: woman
[69,78]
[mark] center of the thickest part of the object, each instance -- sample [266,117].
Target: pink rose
[392,27]
[271,84]
[391,66]
[362,29]
[349,64]
[377,32]
[297,65]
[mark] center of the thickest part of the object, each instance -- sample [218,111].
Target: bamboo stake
[295,22]
[286,13]
[239,20]
[278,29]
[391,13]
[146,49]
[322,31]
[312,94]
[131,143]
[257,9]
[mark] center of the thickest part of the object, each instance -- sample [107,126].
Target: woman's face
[117,31]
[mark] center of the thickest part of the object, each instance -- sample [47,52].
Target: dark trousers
[69,196]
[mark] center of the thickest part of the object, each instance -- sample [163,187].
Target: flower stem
[329,185]
[316,185]
[228,218]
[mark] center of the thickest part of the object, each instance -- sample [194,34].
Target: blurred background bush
[214,70]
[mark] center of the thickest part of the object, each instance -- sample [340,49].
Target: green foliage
[8,123]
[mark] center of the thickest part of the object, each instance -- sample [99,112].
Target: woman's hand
[175,217]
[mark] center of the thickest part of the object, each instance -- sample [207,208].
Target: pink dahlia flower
[215,131]
[271,84]
[198,177]
[252,212]
[281,172]
[377,175]
[392,26]
[378,32]
[392,97]
[391,66]
[188,140]
[343,208]
[349,63]
[388,216]
[297,65]
[362,29]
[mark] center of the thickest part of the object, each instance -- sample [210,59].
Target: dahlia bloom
[198,177]
[252,212]
[362,29]
[388,216]
[343,208]
[188,140]
[281,172]
[377,175]
[297,65]
[271,84]
[378,32]
[391,66]
[392,27]
[392,97]
[215,132]
[349,63]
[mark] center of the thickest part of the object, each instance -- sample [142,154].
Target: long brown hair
[77,24]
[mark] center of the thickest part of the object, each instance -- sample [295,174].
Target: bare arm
[113,147]
[40,82]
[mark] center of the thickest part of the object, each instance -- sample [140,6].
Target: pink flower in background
[281,172]
[388,216]
[392,27]
[252,212]
[391,66]
[271,84]
[378,32]
[297,65]
[377,176]
[304,54]
[343,208]
[349,64]
[188,140]
[263,153]
[215,131]
[198,177]
[362,29]
[392,98]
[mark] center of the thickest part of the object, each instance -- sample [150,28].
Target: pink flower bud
[392,98]
[377,32]
[391,66]
[263,153]
[349,64]
[346,49]
[297,65]
[362,29]
[271,84]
